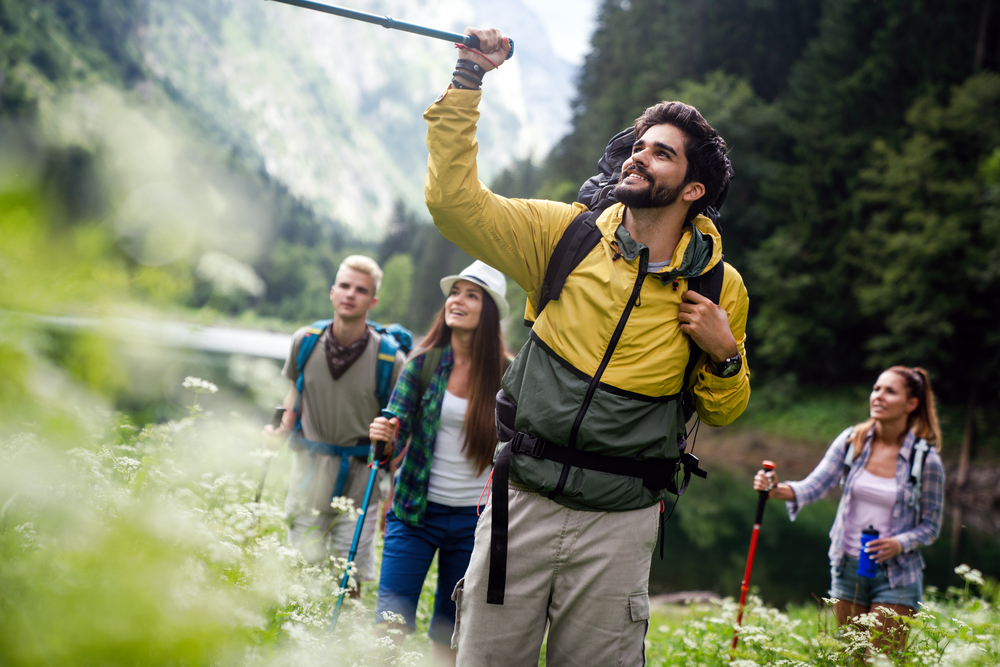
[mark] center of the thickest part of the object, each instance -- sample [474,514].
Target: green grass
[143,546]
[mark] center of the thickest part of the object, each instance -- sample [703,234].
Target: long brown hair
[489,361]
[923,421]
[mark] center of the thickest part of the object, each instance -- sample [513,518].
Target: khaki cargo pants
[584,575]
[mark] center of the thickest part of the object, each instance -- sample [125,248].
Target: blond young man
[327,422]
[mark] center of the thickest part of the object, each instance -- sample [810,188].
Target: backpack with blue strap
[394,338]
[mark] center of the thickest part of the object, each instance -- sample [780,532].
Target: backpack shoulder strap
[306,348]
[577,241]
[387,348]
[917,459]
[920,449]
[709,285]
[432,358]
[849,453]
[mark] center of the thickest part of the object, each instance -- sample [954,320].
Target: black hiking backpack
[582,235]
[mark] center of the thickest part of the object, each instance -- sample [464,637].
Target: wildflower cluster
[346,507]
[199,386]
[950,629]
[155,533]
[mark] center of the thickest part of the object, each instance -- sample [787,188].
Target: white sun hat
[492,281]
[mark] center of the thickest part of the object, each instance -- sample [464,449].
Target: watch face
[730,367]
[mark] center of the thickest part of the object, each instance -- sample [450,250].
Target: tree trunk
[957,535]
[968,438]
[984,22]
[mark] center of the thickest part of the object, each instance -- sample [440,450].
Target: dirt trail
[741,451]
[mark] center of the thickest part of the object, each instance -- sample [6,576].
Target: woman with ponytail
[874,462]
[445,421]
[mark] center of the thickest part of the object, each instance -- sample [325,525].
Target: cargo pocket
[632,647]
[456,597]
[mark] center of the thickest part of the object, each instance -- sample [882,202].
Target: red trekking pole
[745,586]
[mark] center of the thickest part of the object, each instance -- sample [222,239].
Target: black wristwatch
[726,368]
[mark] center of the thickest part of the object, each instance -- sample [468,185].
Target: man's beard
[654,196]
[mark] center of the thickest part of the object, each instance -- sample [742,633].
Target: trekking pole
[745,586]
[379,453]
[276,423]
[390,23]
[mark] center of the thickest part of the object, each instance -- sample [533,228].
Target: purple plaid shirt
[912,530]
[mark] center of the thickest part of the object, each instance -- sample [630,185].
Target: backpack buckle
[690,464]
[534,446]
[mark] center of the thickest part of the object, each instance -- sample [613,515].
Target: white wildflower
[198,385]
[342,503]
[393,617]
[974,577]
[870,620]
[297,594]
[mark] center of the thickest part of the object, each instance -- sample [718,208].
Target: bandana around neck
[340,357]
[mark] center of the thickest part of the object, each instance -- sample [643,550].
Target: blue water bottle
[866,566]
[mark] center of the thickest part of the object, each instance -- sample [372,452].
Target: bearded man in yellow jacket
[591,408]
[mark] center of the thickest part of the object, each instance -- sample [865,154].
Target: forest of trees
[865,134]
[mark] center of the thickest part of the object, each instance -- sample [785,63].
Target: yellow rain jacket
[635,410]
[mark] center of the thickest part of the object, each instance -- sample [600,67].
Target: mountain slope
[333,107]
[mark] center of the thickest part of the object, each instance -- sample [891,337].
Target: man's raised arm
[513,235]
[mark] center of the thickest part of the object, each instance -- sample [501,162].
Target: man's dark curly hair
[706,151]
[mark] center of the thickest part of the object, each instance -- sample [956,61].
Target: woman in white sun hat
[444,404]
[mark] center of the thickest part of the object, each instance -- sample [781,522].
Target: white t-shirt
[872,499]
[453,479]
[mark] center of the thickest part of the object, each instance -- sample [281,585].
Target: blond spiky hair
[363,264]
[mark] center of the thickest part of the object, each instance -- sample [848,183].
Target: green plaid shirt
[419,418]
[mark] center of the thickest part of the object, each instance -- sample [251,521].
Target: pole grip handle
[380,444]
[473,42]
[762,495]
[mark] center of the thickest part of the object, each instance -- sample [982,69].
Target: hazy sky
[569,24]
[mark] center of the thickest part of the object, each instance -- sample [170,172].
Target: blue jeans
[407,555]
[849,586]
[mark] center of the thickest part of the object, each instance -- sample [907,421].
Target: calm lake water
[707,539]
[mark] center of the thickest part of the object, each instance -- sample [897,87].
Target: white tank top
[872,499]
[453,479]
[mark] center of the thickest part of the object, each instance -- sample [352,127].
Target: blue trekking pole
[390,23]
[379,453]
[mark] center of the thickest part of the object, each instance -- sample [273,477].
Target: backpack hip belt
[655,474]
[362,449]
